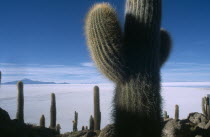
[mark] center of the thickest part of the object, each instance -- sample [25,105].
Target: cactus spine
[75,122]
[176,112]
[42,121]
[132,60]
[20,102]
[97,113]
[91,123]
[53,112]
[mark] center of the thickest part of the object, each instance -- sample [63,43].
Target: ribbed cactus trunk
[20,102]
[53,112]
[132,60]
[97,112]
[176,112]
[42,121]
[91,123]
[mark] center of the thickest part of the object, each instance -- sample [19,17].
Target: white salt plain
[79,97]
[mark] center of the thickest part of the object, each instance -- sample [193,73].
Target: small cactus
[58,127]
[205,107]
[165,115]
[0,78]
[20,102]
[42,121]
[97,113]
[176,112]
[75,122]
[53,112]
[91,123]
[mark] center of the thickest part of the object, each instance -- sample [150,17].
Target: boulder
[108,131]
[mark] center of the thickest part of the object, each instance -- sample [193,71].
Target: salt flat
[79,97]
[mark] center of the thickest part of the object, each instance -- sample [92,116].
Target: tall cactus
[97,113]
[53,112]
[42,121]
[176,112]
[132,60]
[75,122]
[91,123]
[0,78]
[20,102]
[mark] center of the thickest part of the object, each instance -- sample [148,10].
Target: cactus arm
[165,46]
[104,39]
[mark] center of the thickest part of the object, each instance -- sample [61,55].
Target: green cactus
[42,121]
[83,128]
[58,127]
[53,112]
[0,78]
[165,115]
[91,123]
[132,60]
[97,113]
[176,117]
[75,122]
[20,102]
[205,107]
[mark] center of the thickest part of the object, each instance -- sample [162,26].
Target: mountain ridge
[29,81]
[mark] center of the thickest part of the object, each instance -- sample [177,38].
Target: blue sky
[44,40]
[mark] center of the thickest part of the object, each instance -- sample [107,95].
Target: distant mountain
[29,81]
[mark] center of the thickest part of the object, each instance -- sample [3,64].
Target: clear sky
[44,40]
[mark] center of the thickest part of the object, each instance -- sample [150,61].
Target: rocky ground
[196,125]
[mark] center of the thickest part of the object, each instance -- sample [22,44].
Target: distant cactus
[97,113]
[132,60]
[176,112]
[42,121]
[58,127]
[0,78]
[205,107]
[83,128]
[20,102]
[53,112]
[75,122]
[91,123]
[166,115]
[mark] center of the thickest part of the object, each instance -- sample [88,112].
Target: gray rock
[4,116]
[177,128]
[108,131]
[197,118]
